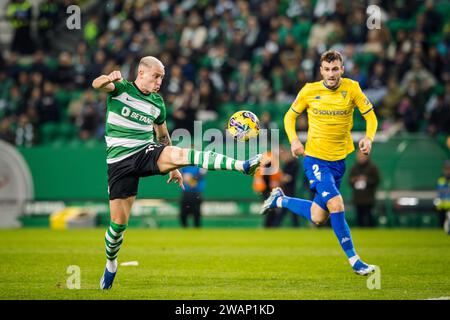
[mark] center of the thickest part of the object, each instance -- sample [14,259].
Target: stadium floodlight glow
[408,201]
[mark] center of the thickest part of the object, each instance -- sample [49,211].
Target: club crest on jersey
[344,94]
[317,97]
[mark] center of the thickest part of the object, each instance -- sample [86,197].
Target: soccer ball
[243,125]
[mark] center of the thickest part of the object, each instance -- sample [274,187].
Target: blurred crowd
[225,52]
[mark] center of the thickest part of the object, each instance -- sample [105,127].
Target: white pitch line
[129,263]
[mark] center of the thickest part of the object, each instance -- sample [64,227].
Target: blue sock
[298,206]
[342,231]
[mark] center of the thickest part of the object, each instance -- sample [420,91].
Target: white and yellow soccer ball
[243,125]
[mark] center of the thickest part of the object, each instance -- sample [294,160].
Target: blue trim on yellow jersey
[367,111]
[295,111]
[332,89]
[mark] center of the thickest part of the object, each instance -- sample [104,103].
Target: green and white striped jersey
[129,120]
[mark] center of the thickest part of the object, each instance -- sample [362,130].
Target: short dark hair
[330,56]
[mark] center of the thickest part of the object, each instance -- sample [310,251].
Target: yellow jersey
[330,118]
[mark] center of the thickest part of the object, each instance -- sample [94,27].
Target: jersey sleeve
[119,87]
[360,100]
[290,118]
[300,104]
[366,109]
[162,116]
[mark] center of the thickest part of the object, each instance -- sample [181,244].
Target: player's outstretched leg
[216,161]
[174,157]
[342,232]
[113,241]
[277,199]
[301,207]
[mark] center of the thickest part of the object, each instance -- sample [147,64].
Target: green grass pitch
[225,264]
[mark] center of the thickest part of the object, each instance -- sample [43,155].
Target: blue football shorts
[324,178]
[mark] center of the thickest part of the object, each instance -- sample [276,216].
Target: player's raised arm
[367,111]
[290,120]
[105,82]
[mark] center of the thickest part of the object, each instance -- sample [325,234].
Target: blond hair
[150,61]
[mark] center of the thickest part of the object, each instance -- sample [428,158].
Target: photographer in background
[364,179]
[264,181]
[191,200]
[443,199]
[290,173]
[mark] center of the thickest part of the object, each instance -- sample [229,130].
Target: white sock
[279,202]
[353,260]
[111,265]
[239,165]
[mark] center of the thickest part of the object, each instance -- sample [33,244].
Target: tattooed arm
[162,134]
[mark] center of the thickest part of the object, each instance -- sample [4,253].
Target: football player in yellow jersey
[330,104]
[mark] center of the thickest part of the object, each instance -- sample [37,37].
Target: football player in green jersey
[139,145]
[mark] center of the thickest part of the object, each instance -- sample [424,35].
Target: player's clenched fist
[365,145]
[297,148]
[115,76]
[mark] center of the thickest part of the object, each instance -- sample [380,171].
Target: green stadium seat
[63,98]
[74,143]
[67,131]
[438,89]
[58,142]
[48,132]
[399,24]
[52,63]
[77,94]
[443,8]
[304,28]
[92,143]
[364,60]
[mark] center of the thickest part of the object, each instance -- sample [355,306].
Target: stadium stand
[235,54]
[252,53]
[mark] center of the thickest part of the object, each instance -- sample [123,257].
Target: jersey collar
[145,94]
[332,89]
